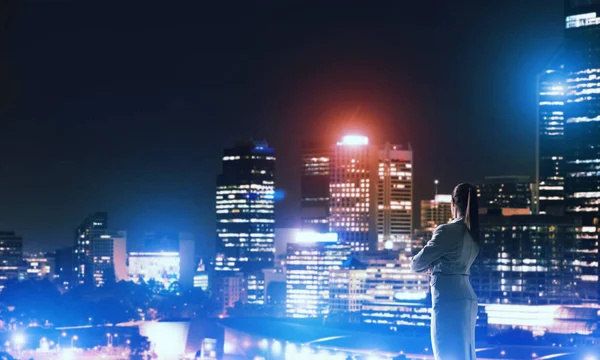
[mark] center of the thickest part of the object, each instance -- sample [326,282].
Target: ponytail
[467,205]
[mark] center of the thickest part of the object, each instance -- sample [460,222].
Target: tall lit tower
[245,214]
[394,197]
[370,194]
[353,192]
[93,249]
[314,187]
[550,158]
[582,109]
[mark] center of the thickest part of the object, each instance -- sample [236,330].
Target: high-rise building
[93,248]
[40,266]
[103,266]
[11,256]
[314,187]
[382,291]
[436,212]
[582,109]
[505,193]
[394,197]
[536,260]
[310,260]
[245,215]
[550,161]
[66,269]
[347,290]
[230,289]
[353,193]
[370,194]
[99,256]
[389,284]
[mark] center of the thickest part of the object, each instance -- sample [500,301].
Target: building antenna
[436,183]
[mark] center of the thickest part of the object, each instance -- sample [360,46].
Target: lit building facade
[551,142]
[103,265]
[230,290]
[201,281]
[314,187]
[310,260]
[245,203]
[582,109]
[536,260]
[346,290]
[353,193]
[11,256]
[436,212]
[40,266]
[162,267]
[93,248]
[505,192]
[370,194]
[393,293]
[394,197]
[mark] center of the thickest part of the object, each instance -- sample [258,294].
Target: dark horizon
[111,106]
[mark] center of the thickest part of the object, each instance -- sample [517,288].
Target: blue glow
[279,195]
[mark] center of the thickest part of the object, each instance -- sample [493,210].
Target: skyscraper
[435,212]
[505,192]
[245,214]
[394,197]
[310,260]
[314,187]
[370,194]
[550,157]
[11,256]
[582,109]
[93,247]
[353,193]
[536,260]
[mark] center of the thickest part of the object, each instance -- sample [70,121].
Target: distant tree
[138,347]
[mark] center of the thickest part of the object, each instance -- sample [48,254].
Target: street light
[73,339]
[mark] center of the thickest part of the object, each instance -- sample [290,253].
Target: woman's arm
[433,250]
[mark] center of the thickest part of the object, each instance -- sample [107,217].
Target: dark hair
[465,195]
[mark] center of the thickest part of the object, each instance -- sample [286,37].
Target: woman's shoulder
[451,228]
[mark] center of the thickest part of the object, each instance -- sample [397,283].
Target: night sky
[126,106]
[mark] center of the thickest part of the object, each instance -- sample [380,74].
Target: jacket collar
[459,219]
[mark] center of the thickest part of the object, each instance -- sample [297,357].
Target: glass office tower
[582,109]
[551,122]
[245,205]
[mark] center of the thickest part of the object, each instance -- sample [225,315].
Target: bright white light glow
[228,347]
[354,140]
[443,198]
[263,344]
[410,295]
[276,348]
[19,339]
[310,237]
[67,354]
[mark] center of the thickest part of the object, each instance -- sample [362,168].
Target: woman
[448,256]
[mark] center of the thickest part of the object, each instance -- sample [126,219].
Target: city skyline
[155,154]
[279,180]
